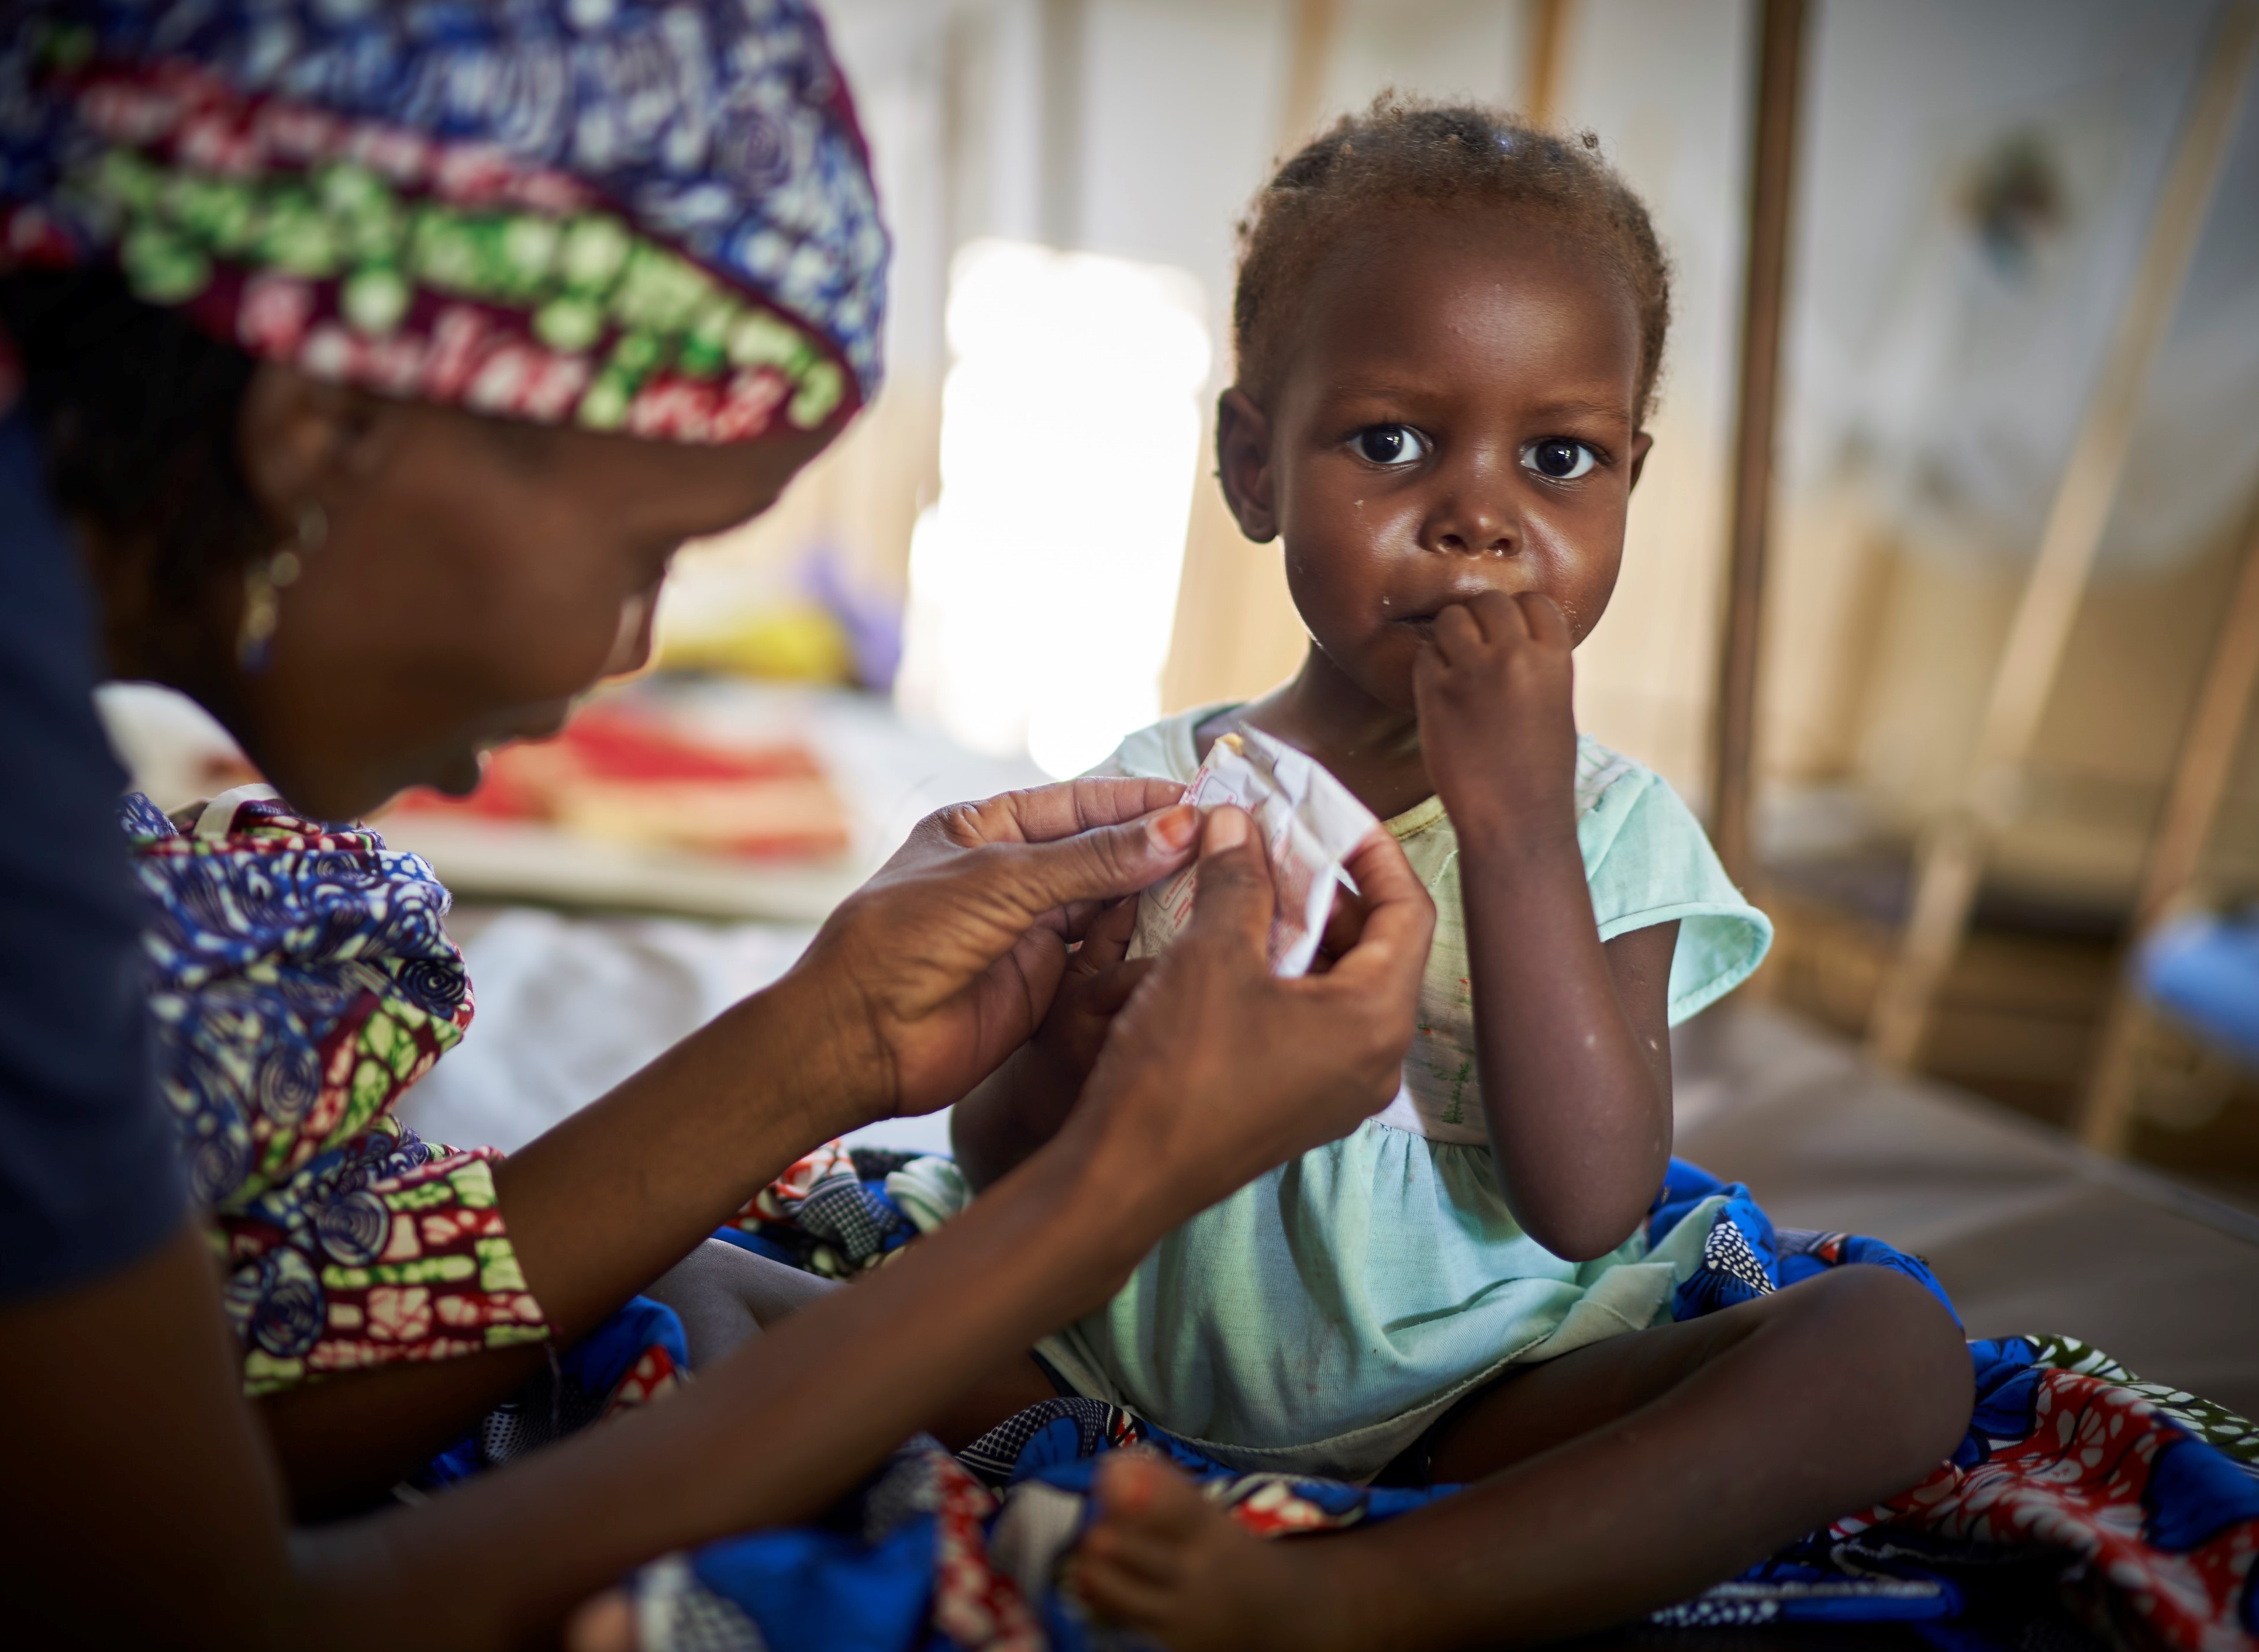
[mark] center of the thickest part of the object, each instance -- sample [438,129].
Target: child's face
[1456,416]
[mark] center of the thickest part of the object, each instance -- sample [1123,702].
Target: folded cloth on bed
[2205,970]
[2080,1493]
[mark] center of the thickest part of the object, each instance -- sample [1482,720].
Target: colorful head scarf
[627,216]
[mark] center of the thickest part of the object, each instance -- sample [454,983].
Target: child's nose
[1474,527]
[1484,542]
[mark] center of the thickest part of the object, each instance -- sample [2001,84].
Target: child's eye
[1558,459]
[1390,443]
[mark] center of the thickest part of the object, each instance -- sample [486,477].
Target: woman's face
[475,576]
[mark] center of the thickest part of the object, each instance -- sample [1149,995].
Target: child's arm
[1018,1107]
[1571,1037]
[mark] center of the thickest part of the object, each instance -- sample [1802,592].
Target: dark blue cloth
[2065,1452]
[91,1176]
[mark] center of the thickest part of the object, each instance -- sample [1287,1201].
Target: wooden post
[1548,62]
[1951,858]
[2199,783]
[1309,55]
[1772,178]
[1062,24]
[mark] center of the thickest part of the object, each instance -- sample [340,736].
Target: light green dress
[1319,1319]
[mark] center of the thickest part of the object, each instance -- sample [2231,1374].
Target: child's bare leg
[1627,1476]
[724,1295]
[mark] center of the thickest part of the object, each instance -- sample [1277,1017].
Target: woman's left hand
[945,963]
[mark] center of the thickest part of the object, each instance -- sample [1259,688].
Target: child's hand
[1021,1104]
[1099,980]
[1497,724]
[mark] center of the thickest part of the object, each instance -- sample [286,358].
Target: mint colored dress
[1318,1320]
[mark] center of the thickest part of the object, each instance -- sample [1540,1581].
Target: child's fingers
[1110,989]
[1457,636]
[1502,616]
[1106,940]
[1345,922]
[1543,617]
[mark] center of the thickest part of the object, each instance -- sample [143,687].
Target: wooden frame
[1548,62]
[1951,857]
[1764,291]
[2201,773]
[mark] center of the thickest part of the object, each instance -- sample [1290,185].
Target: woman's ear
[1641,443]
[1243,463]
[305,441]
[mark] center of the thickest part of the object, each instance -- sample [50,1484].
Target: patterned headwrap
[623,215]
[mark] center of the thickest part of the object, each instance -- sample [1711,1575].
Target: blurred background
[1018,554]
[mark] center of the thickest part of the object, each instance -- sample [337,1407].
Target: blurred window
[1044,581]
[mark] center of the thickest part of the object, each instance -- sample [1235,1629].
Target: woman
[435,336]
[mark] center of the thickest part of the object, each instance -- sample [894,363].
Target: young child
[1448,327]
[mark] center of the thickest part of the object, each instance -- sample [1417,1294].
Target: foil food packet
[1309,823]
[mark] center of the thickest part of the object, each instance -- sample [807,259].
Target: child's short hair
[1405,149]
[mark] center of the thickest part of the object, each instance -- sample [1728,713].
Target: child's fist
[1496,723]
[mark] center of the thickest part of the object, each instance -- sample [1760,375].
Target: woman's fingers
[1098,864]
[1235,898]
[1045,813]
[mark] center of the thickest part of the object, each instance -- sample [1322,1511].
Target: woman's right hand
[1216,1070]
[945,963]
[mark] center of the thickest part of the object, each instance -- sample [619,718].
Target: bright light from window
[1043,582]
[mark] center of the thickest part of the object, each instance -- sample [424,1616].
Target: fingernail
[1227,830]
[1174,828]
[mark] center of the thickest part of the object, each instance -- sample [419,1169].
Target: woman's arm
[1215,1072]
[1571,1038]
[916,986]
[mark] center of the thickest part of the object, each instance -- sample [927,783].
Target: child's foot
[1164,1559]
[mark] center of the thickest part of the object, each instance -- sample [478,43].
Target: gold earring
[264,583]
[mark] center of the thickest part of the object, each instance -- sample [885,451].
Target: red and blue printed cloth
[2111,1511]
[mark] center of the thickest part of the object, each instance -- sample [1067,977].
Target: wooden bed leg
[1951,857]
[2200,778]
[1764,291]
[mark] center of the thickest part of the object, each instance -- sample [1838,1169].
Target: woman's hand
[1217,1070]
[932,974]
